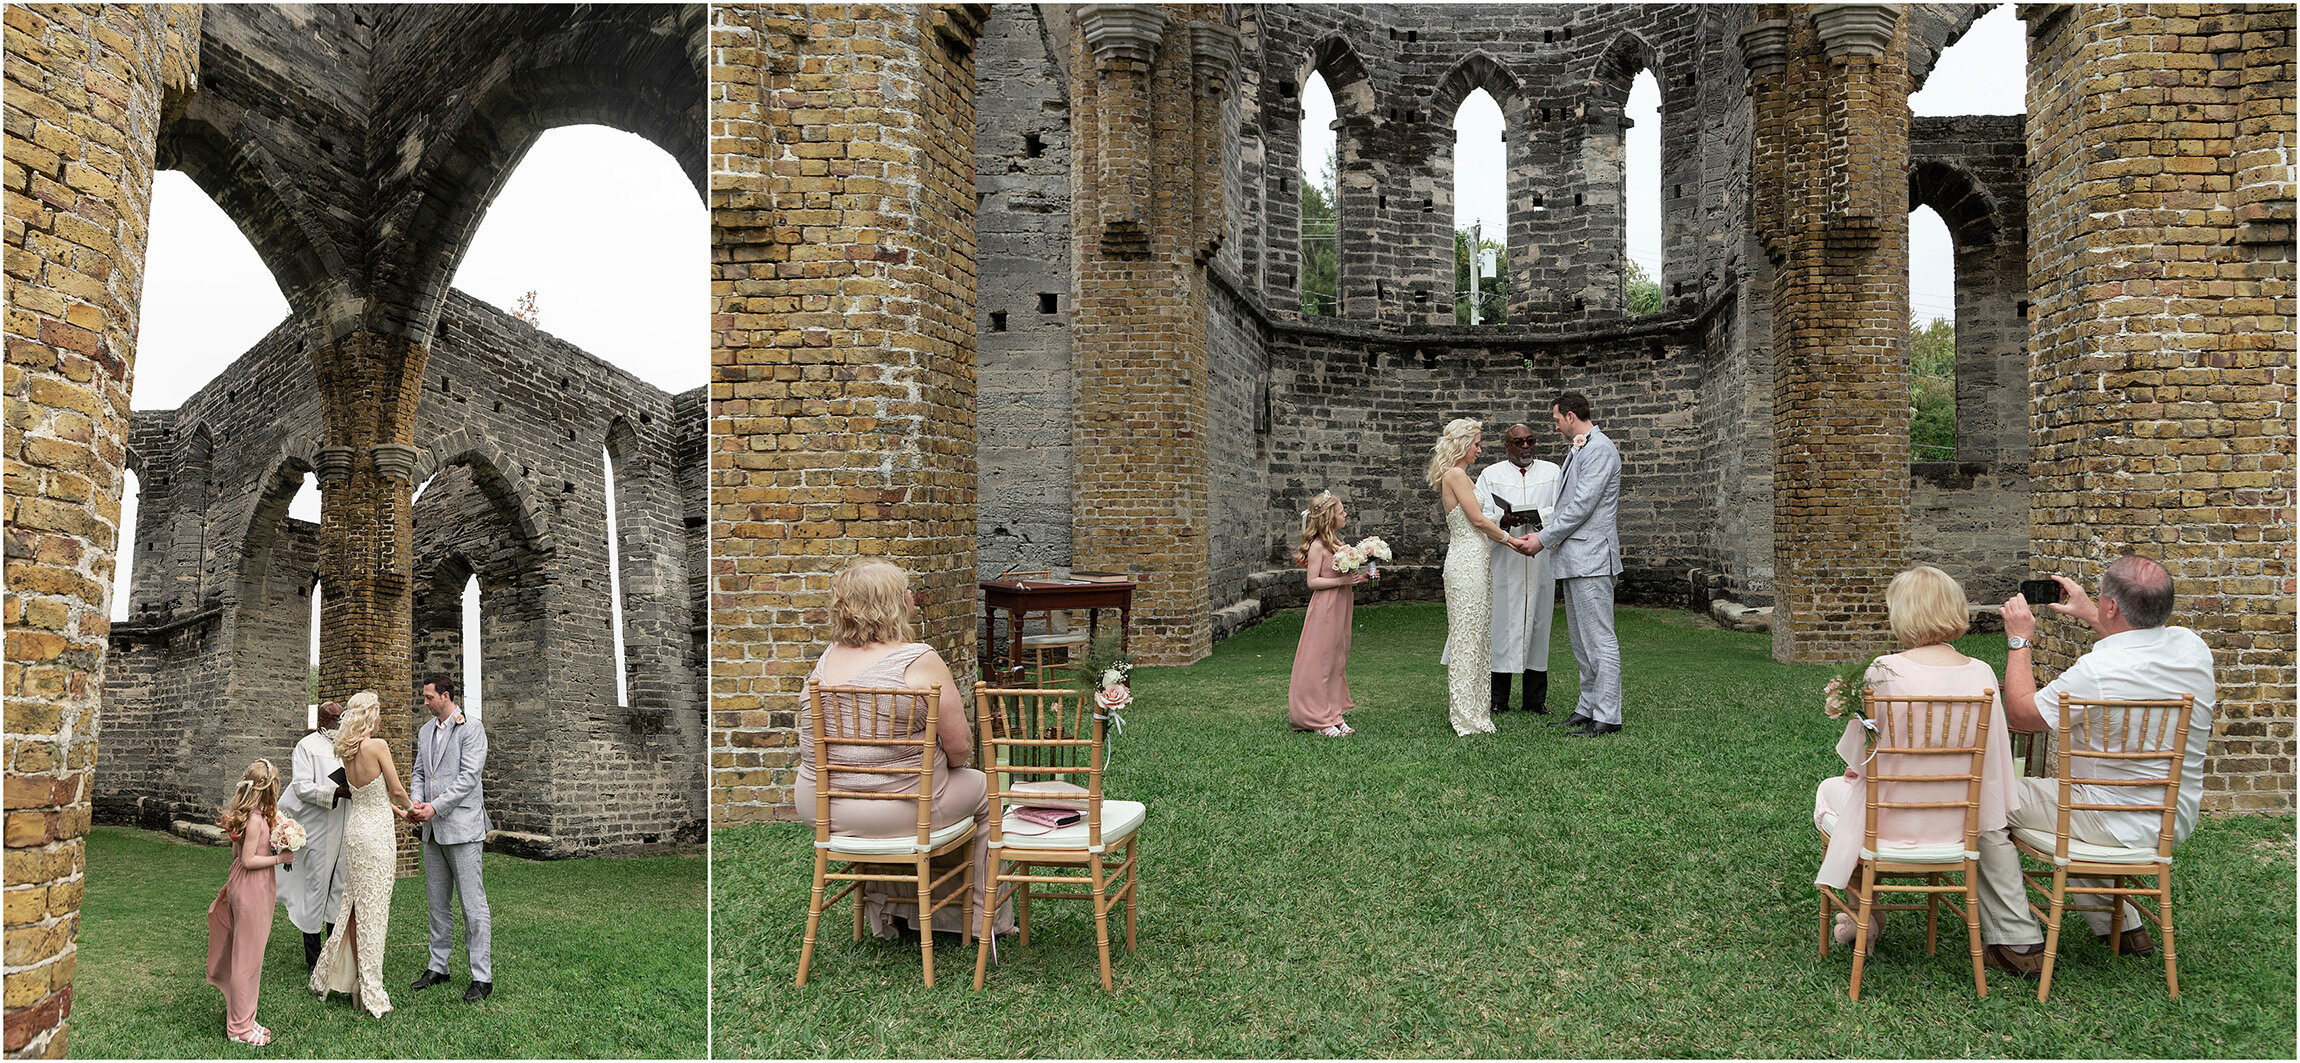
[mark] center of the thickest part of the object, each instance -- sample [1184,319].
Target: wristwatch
[2015,642]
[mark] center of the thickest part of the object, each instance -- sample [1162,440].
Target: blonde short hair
[1926,605]
[1452,444]
[361,714]
[870,603]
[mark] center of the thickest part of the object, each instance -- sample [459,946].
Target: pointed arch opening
[1480,211]
[592,222]
[1642,249]
[208,296]
[1321,250]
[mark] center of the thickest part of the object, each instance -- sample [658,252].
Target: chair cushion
[1056,638]
[900,845]
[1934,853]
[2085,852]
[1119,819]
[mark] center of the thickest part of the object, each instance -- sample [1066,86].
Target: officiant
[317,797]
[1519,493]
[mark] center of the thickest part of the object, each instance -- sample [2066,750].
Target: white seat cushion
[902,845]
[1119,819]
[2086,852]
[1058,638]
[1951,853]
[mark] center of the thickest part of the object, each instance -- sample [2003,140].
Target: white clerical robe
[312,887]
[1523,591]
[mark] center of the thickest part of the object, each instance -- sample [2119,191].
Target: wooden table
[1021,598]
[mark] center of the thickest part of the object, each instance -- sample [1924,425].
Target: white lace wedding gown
[370,864]
[1469,626]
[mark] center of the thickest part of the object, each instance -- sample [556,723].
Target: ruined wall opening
[1320,280]
[1932,338]
[615,554]
[318,592]
[208,296]
[124,561]
[1642,248]
[1480,211]
[598,230]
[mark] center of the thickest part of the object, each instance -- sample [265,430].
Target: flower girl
[1320,691]
[240,921]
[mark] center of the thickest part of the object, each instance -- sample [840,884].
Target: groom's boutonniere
[1580,440]
[459,719]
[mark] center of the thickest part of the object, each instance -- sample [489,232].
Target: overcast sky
[1985,72]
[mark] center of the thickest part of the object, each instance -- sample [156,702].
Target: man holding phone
[2136,657]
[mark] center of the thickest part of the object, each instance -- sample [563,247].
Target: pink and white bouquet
[1349,559]
[1368,550]
[288,835]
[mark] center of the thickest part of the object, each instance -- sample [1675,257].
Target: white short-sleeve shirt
[2148,663]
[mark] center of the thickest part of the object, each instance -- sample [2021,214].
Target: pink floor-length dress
[1320,691]
[239,926]
[1895,675]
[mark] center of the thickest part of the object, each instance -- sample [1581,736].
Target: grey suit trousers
[1589,626]
[449,870]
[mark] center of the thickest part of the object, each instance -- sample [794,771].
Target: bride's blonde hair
[360,716]
[1320,522]
[258,792]
[1452,444]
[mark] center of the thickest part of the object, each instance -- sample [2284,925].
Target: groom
[1585,556]
[452,807]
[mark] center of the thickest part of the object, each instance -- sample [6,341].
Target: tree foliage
[1933,391]
[1644,295]
[1321,245]
[1492,291]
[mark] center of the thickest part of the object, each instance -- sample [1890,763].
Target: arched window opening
[596,221]
[1641,198]
[474,655]
[615,582]
[1932,338]
[311,683]
[207,295]
[1321,277]
[305,505]
[124,558]
[1972,75]
[1480,212]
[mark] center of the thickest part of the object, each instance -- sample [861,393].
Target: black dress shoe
[1594,728]
[1575,720]
[479,991]
[428,979]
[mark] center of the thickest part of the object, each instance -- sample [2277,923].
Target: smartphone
[2040,591]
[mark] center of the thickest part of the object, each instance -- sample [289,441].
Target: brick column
[369,383]
[1831,187]
[1140,86]
[2161,360]
[86,85]
[843,360]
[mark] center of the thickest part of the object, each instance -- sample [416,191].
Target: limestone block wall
[843,377]
[2162,359]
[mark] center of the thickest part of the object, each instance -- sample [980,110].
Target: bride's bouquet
[288,835]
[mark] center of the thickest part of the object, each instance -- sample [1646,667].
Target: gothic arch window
[1932,338]
[1321,253]
[208,297]
[124,560]
[614,473]
[1480,211]
[1642,245]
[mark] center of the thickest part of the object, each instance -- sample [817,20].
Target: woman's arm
[251,856]
[381,752]
[1458,490]
[1318,553]
[952,729]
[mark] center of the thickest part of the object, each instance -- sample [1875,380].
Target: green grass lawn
[599,957]
[1403,892]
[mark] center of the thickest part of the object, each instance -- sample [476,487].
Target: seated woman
[870,616]
[1926,609]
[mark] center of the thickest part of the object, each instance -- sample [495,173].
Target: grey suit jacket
[447,775]
[1582,539]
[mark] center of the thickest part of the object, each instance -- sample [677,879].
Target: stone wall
[843,196]
[513,423]
[2162,358]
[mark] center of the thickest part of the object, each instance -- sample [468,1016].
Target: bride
[352,960]
[1468,580]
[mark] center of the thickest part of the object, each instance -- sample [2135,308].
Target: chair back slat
[1036,735]
[871,731]
[1927,757]
[2106,734]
